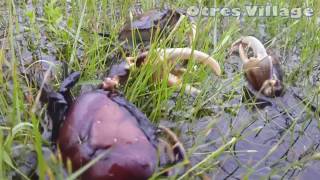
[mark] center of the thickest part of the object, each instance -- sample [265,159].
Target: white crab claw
[175,80]
[258,48]
[243,55]
[175,54]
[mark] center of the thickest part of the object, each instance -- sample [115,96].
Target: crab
[169,55]
[103,121]
[144,28]
[262,71]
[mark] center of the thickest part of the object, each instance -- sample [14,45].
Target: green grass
[70,28]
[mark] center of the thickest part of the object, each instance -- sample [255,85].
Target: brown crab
[102,121]
[262,71]
[145,27]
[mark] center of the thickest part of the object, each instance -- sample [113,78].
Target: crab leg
[173,80]
[174,54]
[177,147]
[165,147]
[243,55]
[252,42]
[110,83]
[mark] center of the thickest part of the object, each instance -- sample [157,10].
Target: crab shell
[145,26]
[258,71]
[98,121]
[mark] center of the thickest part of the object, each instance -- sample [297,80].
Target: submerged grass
[72,29]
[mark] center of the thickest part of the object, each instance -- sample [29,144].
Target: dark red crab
[103,121]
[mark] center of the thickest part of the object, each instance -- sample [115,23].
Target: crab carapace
[104,121]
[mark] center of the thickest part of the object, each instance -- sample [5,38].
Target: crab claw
[272,87]
[253,43]
[118,74]
[171,150]
[110,84]
[174,80]
[58,102]
[174,54]
[242,54]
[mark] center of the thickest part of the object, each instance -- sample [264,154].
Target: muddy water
[277,140]
[273,139]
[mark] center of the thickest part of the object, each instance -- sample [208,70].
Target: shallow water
[273,138]
[276,139]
